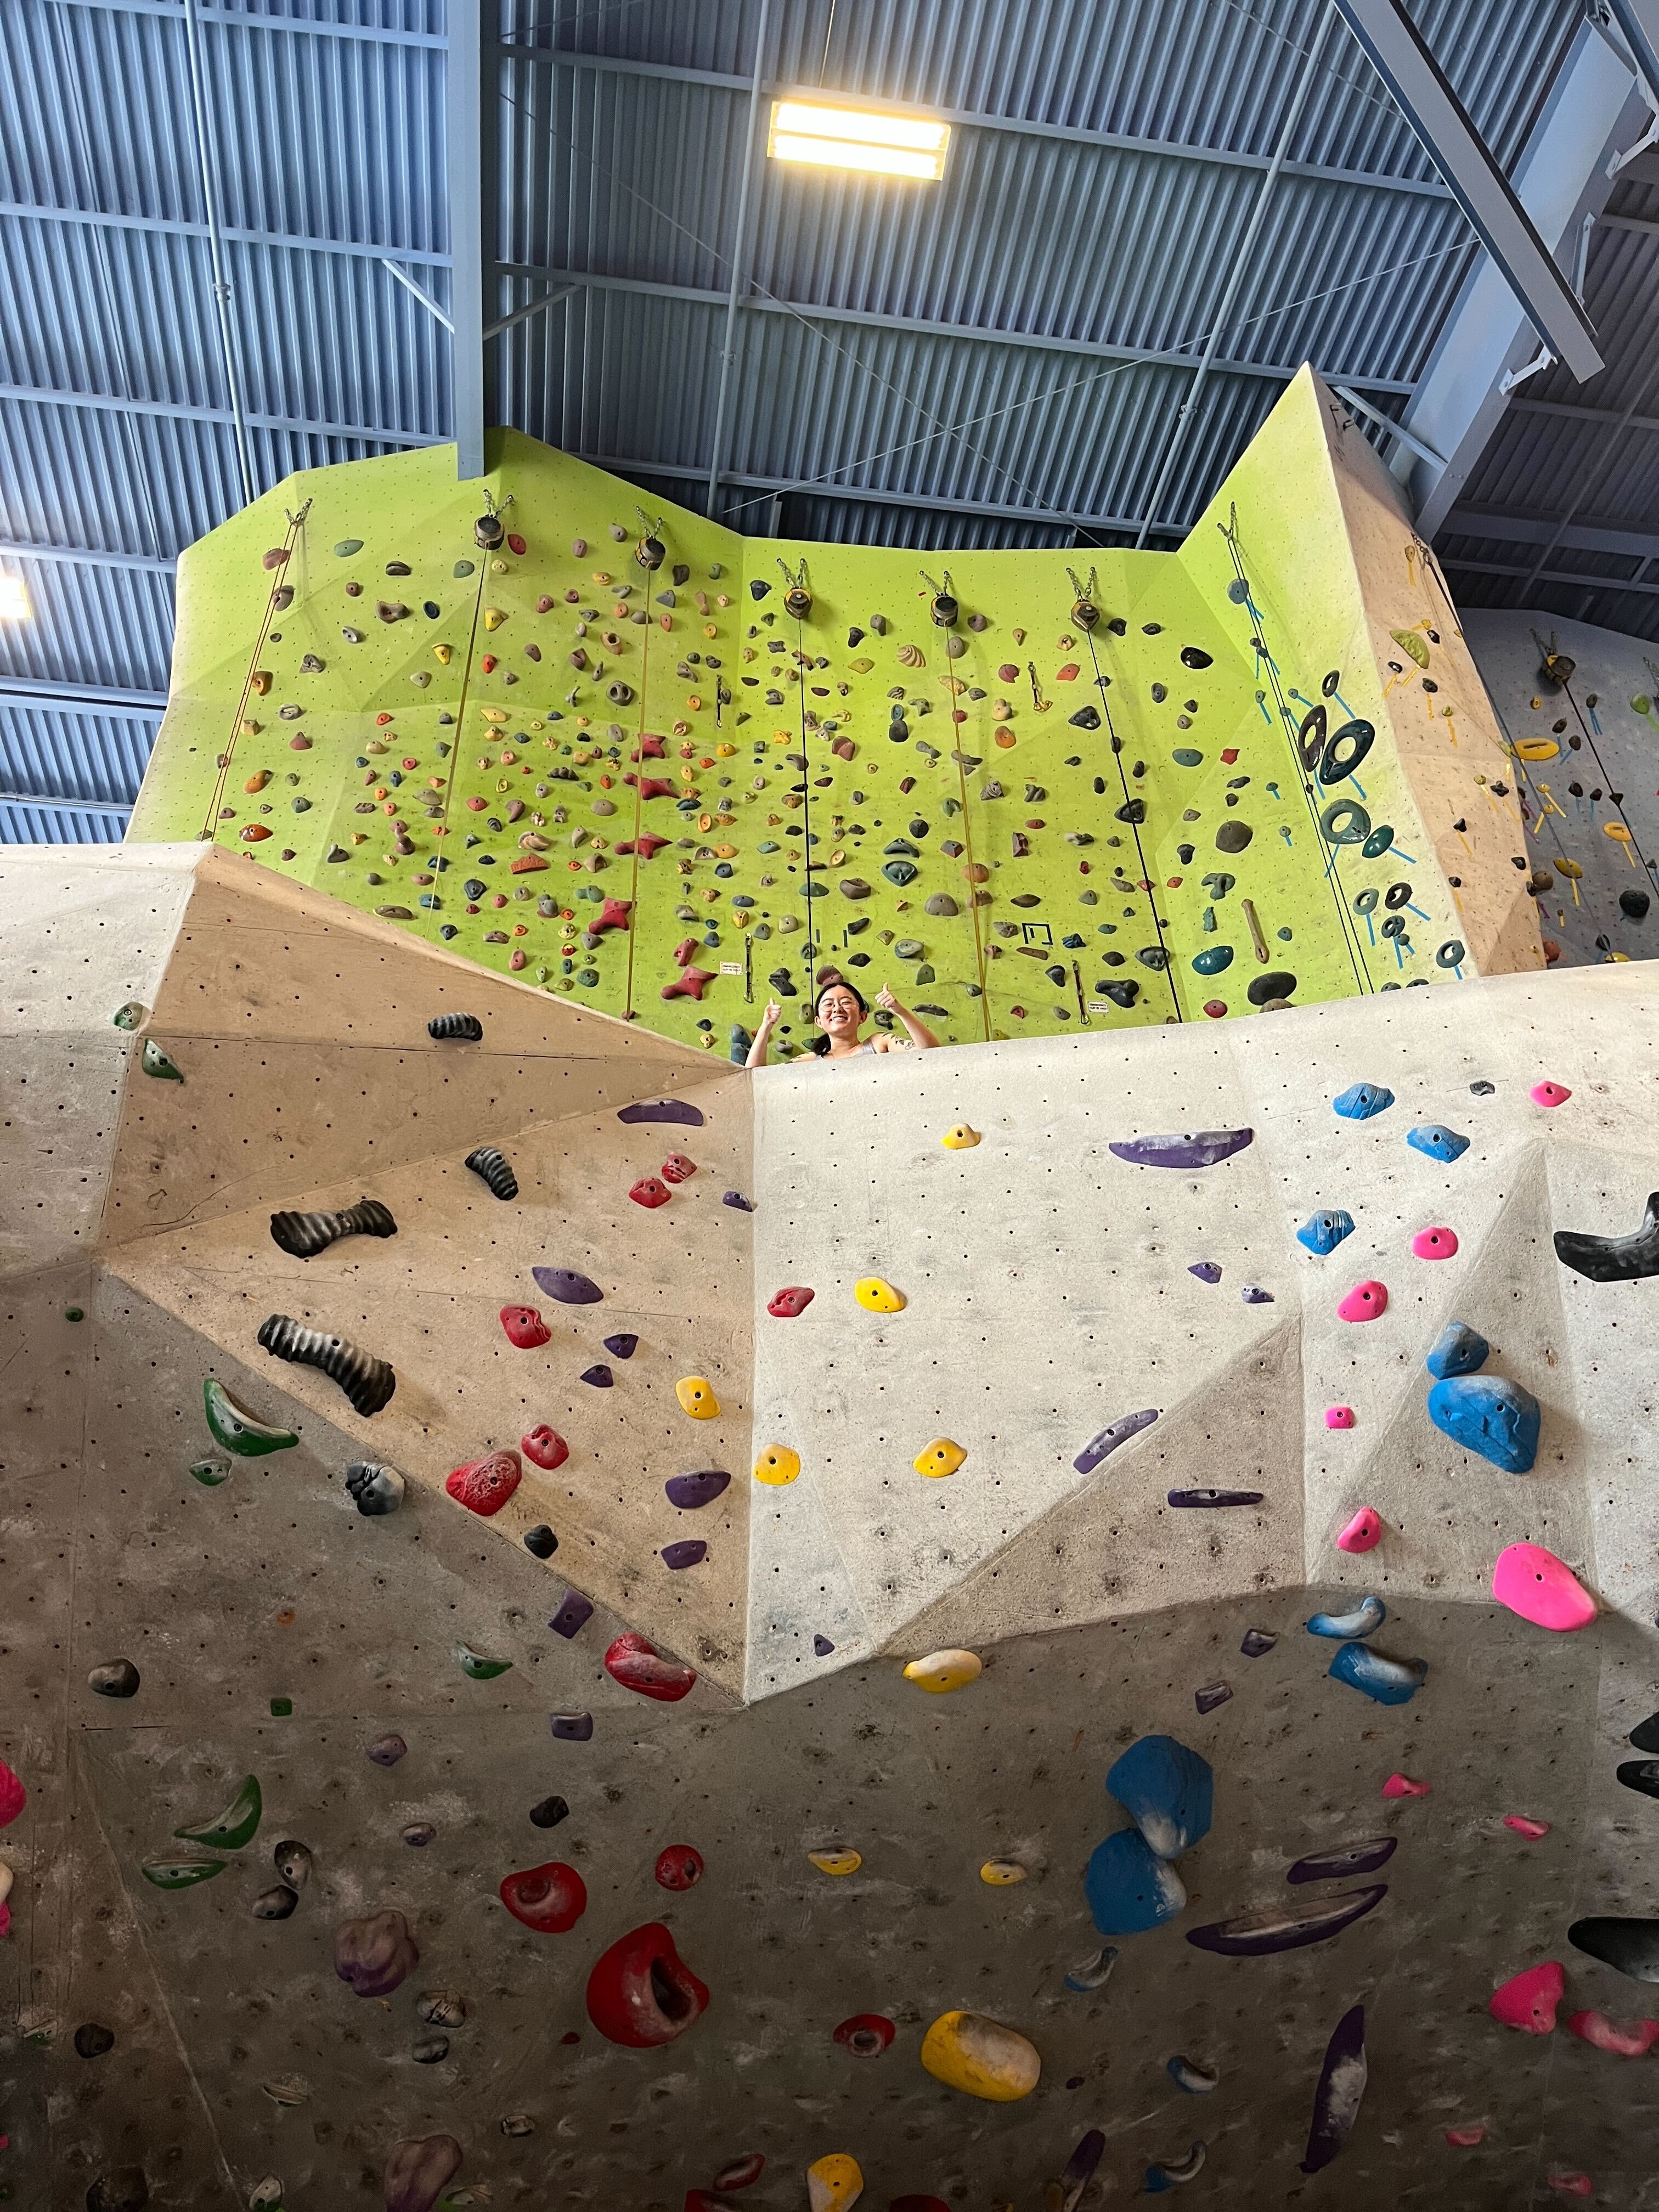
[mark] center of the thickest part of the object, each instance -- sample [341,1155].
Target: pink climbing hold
[1364,1302]
[1435,1243]
[1534,1831]
[787,1304]
[1572,2185]
[1465,2138]
[1528,2000]
[1363,1533]
[1339,1417]
[1401,1785]
[1541,1589]
[1623,2038]
[13,1795]
[1549,1094]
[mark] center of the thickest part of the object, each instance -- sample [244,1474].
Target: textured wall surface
[430,1701]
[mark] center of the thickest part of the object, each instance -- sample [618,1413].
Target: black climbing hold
[275,1904]
[374,1490]
[466,1028]
[1193,656]
[368,1383]
[1122,994]
[304,1235]
[93,2039]
[599,1375]
[1233,837]
[549,1813]
[540,1540]
[1345,750]
[1257,1642]
[1396,896]
[1328,683]
[758,588]
[486,1163]
[1133,811]
[1213,1498]
[1641,1774]
[1310,738]
[119,1678]
[1634,904]
[1279,984]
[1483,1089]
[1613,1259]
[1086,718]
[572,1728]
[1630,1947]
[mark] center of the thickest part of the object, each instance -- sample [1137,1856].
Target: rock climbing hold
[662,1109]
[1613,1259]
[1207,1497]
[1367,1617]
[735,1198]
[1130,1888]
[599,1375]
[690,1492]
[677,1169]
[1363,1533]
[304,1235]
[650,1191]
[1167,1790]
[387,1750]
[786,1305]
[478,1667]
[878,1297]
[959,1137]
[571,1727]
[154,1061]
[543,1447]
[1264,1934]
[943,1671]
[1458,1350]
[1254,1295]
[1401,1785]
[1107,1440]
[236,1826]
[1207,1271]
[487,1163]
[237,1430]
[1533,1582]
[1549,1094]
[181,1872]
[367,1381]
[550,1899]
[1387,1681]
[777,1465]
[979,2056]
[1341,2085]
[678,1868]
[117,1678]
[1361,1100]
[1171,2174]
[210,1473]
[1202,1151]
[566,1285]
[418,2172]
[1342,1864]
[1534,1831]
[836,1861]
[574,1614]
[834,2183]
[1323,1232]
[939,1458]
[483,1486]
[1628,1946]
[1367,1301]
[866,2035]
[1002,1874]
[1196,2080]
[1528,2000]
[697,1398]
[1437,1243]
[640,1993]
[372,1955]
[525,1328]
[637,1665]
[1339,1417]
[1437,1140]
[1490,1415]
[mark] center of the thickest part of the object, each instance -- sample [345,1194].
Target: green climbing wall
[1020,820]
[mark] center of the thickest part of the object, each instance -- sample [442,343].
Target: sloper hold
[940,1672]
[1264,1934]
[1341,2085]
[941,1457]
[1439,1142]
[1167,1790]
[1202,1150]
[1528,2000]
[1387,1681]
[1106,1441]
[834,2183]
[787,1304]
[1458,1350]
[1366,1301]
[1361,1100]
[1639,1774]
[966,2050]
[697,1398]
[1345,1862]
[663,1109]
[1436,1243]
[1629,1947]
[1363,1533]
[638,1666]
[1489,1415]
[1323,1232]
[1533,1582]
[777,1465]
[1613,1259]
[877,1296]
[1365,1620]
[1621,2039]
[1130,1888]
[565,1284]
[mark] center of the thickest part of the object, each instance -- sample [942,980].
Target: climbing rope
[639,786]
[1100,687]
[210,825]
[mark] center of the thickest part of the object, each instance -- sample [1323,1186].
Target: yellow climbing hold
[1408,642]
[940,1457]
[1570,869]
[834,2183]
[493,618]
[836,1861]
[961,1139]
[697,1397]
[777,1465]
[1002,1874]
[944,1670]
[967,2051]
[877,1296]
[443,654]
[1537,749]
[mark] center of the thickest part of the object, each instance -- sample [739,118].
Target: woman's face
[839,1012]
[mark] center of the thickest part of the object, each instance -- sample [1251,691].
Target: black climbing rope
[1133,824]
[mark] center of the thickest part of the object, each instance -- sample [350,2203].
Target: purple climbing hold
[663,1109]
[688,1491]
[1341,2085]
[574,1612]
[736,1197]
[387,1750]
[1254,1295]
[687,1552]
[1114,1433]
[568,1286]
[572,1728]
[822,1646]
[1215,1497]
[1207,1271]
[622,1346]
[1258,1643]
[1212,1695]
[1264,1934]
[599,1375]
[1185,1151]
[1342,1865]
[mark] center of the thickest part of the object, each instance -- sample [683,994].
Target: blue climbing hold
[1323,1232]
[1490,1415]
[1361,1100]
[1129,1889]
[1439,1142]
[1167,1790]
[1367,1617]
[1389,1681]
[1458,1350]
[1213,960]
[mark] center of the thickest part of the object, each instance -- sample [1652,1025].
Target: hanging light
[14,600]
[858,138]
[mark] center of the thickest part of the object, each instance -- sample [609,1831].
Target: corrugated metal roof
[958,364]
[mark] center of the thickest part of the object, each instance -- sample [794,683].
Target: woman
[840,1011]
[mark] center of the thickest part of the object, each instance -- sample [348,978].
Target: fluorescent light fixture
[14,600]
[858,138]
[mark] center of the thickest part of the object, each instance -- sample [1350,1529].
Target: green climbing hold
[1186,756]
[154,1061]
[1378,842]
[480,1669]
[210,1473]
[281,1708]
[462,568]
[236,1826]
[181,1873]
[74,1313]
[348,546]
[237,1430]
[1212,960]
[130,1015]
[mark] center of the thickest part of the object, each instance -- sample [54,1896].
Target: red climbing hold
[740,2173]
[525,1327]
[13,1795]
[679,1866]
[690,985]
[918,2204]
[677,1169]
[1465,2138]
[866,2035]
[1215,1008]
[641,1992]
[1528,2000]
[647,845]
[648,748]
[483,1486]
[545,1446]
[651,787]
[785,1304]
[613,914]
[550,1898]
[650,1191]
[637,1665]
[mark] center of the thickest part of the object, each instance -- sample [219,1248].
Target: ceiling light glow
[14,600]
[858,138]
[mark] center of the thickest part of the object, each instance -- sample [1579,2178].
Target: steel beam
[1549,575]
[171,227]
[103,403]
[94,698]
[739,263]
[169,11]
[1542,529]
[1497,214]
[1565,411]
[1639,22]
[465,191]
[121,808]
[1593,106]
[410,285]
[760,303]
[81,557]
[530,307]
